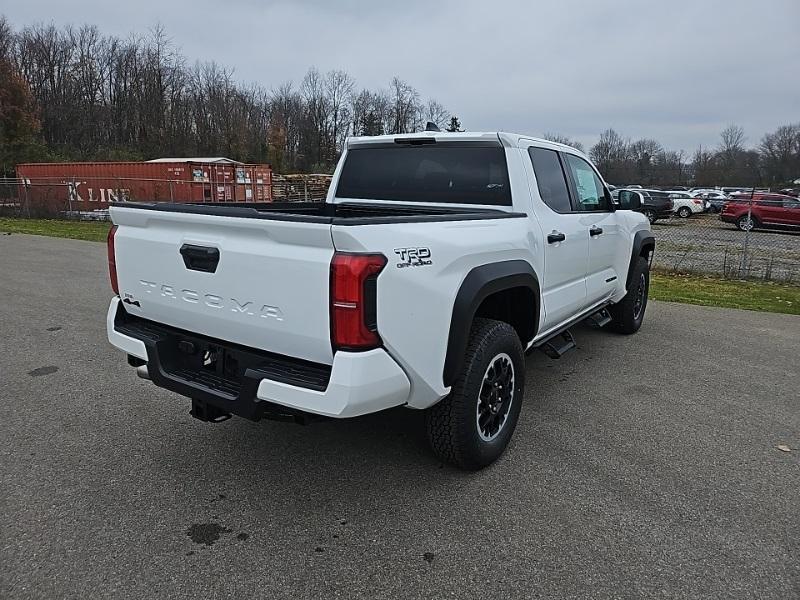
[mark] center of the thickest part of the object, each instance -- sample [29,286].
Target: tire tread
[445,420]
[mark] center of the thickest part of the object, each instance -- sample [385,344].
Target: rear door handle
[200,258]
[595,230]
[556,236]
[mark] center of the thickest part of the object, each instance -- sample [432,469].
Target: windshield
[463,173]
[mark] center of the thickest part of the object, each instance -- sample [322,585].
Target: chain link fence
[701,243]
[705,244]
[85,199]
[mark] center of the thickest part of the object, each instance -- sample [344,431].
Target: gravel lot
[704,244]
[643,466]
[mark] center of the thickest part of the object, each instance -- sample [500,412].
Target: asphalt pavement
[643,466]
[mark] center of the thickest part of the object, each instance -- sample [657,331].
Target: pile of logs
[300,187]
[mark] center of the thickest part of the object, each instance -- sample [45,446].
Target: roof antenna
[431,126]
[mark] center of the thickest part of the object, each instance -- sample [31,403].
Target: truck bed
[325,213]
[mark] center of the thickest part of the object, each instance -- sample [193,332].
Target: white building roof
[198,159]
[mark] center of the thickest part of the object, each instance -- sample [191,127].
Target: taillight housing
[353,296]
[112,259]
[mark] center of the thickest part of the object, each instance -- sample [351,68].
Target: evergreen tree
[455,124]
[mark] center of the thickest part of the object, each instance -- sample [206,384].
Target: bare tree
[339,87]
[405,107]
[780,154]
[6,38]
[611,155]
[370,111]
[563,139]
[643,154]
[736,165]
[703,168]
[732,140]
[434,112]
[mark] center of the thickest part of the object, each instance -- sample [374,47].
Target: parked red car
[768,210]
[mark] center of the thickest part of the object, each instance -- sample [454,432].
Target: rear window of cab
[452,173]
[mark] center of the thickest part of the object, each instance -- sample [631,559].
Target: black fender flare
[480,283]
[642,239]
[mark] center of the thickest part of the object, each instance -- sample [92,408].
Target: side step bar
[561,342]
[600,319]
[558,345]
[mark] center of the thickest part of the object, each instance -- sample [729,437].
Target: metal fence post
[744,267]
[25,184]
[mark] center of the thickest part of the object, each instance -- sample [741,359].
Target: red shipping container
[50,188]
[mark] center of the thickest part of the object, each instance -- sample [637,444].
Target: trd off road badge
[413,257]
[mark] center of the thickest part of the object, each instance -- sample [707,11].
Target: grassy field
[689,289]
[93,231]
[711,291]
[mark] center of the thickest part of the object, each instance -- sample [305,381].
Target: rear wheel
[746,223]
[472,426]
[684,212]
[651,215]
[628,313]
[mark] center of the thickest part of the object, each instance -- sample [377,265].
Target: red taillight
[353,300]
[112,259]
[698,202]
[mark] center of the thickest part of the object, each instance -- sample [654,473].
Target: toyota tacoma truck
[435,264]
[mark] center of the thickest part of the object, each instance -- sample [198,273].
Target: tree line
[81,95]
[775,161]
[75,94]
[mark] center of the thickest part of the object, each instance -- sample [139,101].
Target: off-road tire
[627,315]
[452,424]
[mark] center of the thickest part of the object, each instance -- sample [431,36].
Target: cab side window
[550,179]
[591,192]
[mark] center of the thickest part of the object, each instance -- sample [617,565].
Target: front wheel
[746,223]
[472,426]
[651,216]
[627,314]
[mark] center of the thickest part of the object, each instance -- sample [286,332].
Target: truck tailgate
[267,290]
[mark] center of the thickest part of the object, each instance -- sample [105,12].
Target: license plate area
[213,369]
[207,364]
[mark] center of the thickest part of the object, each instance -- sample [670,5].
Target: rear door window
[454,173]
[550,179]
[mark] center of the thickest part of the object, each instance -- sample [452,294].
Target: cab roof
[508,139]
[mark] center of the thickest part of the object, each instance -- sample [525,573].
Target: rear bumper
[261,384]
[728,218]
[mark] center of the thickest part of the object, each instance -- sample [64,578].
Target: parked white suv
[685,205]
[436,262]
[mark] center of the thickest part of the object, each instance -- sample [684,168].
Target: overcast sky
[675,70]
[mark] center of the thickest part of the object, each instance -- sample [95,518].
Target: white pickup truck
[436,262]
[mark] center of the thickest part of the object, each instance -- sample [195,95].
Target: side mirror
[629,200]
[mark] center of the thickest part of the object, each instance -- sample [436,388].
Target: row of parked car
[663,204]
[745,209]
